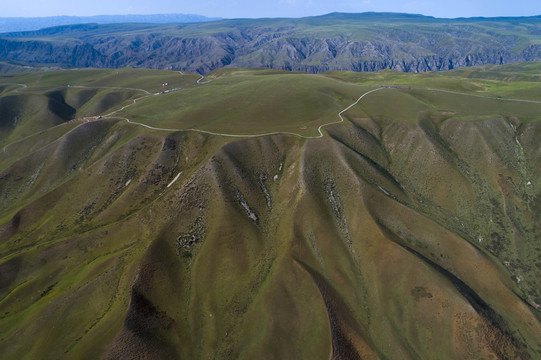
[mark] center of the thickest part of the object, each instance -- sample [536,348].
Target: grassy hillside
[256,103]
[408,231]
[36,101]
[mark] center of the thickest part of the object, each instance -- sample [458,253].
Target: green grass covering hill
[149,80]
[409,231]
[256,104]
[55,97]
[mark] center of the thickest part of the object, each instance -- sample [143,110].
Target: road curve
[321,126]
[249,135]
[199,82]
[22,86]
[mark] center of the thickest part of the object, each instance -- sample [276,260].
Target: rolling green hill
[236,216]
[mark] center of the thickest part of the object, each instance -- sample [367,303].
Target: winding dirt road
[199,83]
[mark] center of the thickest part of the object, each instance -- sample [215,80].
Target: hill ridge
[410,230]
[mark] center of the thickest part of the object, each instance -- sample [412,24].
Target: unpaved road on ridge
[199,83]
[250,135]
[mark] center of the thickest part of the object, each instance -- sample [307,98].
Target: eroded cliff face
[383,240]
[416,47]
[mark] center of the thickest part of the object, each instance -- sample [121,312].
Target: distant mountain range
[337,41]
[9,24]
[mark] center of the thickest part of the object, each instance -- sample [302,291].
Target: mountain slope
[358,42]
[410,230]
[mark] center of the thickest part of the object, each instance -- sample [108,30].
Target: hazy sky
[268,8]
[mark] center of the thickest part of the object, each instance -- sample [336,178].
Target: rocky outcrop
[415,46]
[44,52]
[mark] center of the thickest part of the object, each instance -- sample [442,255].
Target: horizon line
[216,18]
